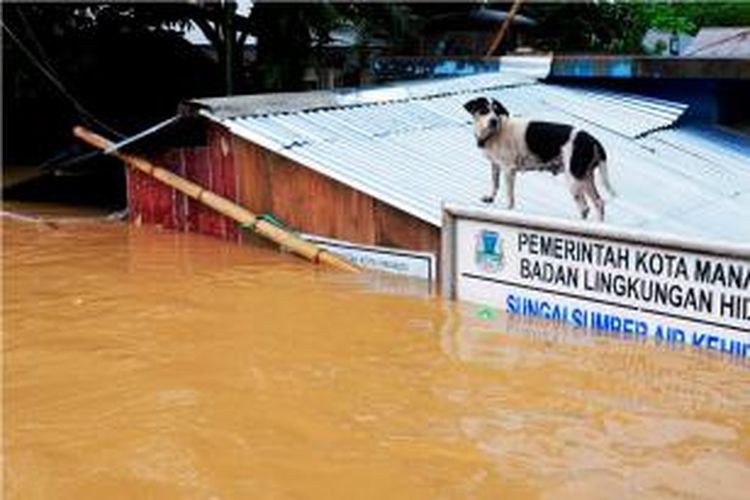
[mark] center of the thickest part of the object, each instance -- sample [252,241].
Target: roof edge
[510,71]
[266,104]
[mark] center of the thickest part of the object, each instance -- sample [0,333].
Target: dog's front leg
[495,184]
[509,175]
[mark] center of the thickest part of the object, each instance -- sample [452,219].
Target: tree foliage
[689,17]
[587,26]
[290,39]
[619,26]
[95,64]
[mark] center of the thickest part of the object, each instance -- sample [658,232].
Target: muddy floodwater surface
[141,363]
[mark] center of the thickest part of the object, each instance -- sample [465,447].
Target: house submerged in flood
[374,166]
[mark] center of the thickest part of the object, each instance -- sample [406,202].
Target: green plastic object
[267,217]
[272,219]
[486,313]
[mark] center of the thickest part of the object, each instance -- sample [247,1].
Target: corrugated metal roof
[415,149]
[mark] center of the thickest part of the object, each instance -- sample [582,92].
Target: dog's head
[487,116]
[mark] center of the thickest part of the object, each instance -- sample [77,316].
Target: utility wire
[54,159]
[52,164]
[78,106]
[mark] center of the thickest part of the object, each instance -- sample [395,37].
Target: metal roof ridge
[281,103]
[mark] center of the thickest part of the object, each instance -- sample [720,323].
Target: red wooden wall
[211,166]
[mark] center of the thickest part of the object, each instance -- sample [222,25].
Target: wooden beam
[222,205]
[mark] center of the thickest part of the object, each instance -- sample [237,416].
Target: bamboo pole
[222,205]
[504,28]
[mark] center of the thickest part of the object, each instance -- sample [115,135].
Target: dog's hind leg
[593,194]
[495,184]
[583,207]
[576,189]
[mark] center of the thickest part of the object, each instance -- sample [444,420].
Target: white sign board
[389,260]
[593,276]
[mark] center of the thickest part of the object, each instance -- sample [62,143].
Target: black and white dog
[513,145]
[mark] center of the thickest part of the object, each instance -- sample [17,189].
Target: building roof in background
[349,36]
[721,43]
[483,18]
[412,146]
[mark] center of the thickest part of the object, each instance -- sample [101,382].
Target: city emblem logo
[489,251]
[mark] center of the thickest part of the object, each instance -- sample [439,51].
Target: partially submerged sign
[389,260]
[592,276]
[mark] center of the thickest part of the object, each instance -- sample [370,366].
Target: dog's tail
[604,177]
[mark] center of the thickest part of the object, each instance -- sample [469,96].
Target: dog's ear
[471,106]
[475,104]
[499,109]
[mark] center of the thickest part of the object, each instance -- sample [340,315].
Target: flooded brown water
[147,364]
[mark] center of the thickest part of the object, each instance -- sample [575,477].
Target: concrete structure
[661,43]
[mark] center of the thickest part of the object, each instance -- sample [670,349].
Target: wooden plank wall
[311,202]
[266,182]
[211,166]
